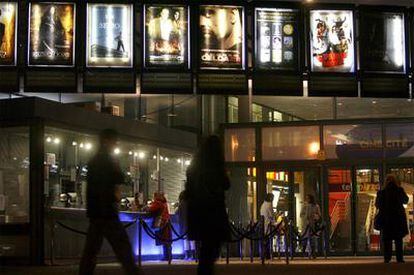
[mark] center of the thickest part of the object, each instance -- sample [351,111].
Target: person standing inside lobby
[103,194]
[393,220]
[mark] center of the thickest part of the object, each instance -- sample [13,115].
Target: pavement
[331,266]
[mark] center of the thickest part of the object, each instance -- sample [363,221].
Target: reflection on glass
[290,143]
[109,39]
[399,140]
[278,185]
[406,177]
[221,37]
[14,175]
[276,32]
[340,188]
[240,144]
[353,141]
[8,16]
[332,40]
[166,35]
[368,184]
[52,34]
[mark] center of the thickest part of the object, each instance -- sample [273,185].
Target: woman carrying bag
[391,219]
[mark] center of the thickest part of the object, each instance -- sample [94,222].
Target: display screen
[276,39]
[382,34]
[166,36]
[221,37]
[52,32]
[8,19]
[109,42]
[332,41]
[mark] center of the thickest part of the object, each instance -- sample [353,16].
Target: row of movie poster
[109,40]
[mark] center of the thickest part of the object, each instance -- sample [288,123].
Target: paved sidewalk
[336,266]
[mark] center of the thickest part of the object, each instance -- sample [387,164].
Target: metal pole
[251,245]
[140,242]
[227,253]
[52,240]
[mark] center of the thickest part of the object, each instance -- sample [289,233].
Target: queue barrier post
[251,245]
[227,253]
[240,246]
[140,242]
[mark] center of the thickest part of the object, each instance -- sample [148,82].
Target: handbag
[378,221]
[156,222]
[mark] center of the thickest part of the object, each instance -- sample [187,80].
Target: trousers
[388,249]
[209,252]
[115,233]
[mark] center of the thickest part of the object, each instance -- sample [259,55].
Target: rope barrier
[85,233]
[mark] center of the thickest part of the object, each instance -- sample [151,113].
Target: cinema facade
[309,98]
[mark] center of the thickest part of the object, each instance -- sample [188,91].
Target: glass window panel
[368,184]
[399,140]
[14,175]
[339,187]
[240,144]
[352,141]
[290,143]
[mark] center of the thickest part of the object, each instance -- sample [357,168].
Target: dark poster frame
[53,72]
[329,80]
[13,70]
[279,73]
[169,72]
[389,78]
[104,72]
[217,72]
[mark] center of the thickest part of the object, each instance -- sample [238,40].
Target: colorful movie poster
[276,39]
[166,36]
[52,34]
[332,41]
[383,37]
[8,21]
[221,37]
[109,42]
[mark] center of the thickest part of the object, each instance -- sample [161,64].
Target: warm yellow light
[314,148]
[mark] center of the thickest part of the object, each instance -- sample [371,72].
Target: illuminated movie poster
[109,42]
[332,41]
[8,19]
[166,35]
[276,39]
[384,40]
[52,32]
[221,41]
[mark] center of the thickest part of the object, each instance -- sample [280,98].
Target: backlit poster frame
[14,41]
[328,41]
[185,65]
[104,62]
[286,30]
[32,63]
[203,51]
[404,49]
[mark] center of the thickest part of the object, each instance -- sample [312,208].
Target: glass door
[340,210]
[367,186]
[406,176]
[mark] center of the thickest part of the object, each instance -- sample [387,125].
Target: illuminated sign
[332,41]
[221,37]
[8,24]
[383,37]
[52,32]
[276,39]
[109,39]
[166,35]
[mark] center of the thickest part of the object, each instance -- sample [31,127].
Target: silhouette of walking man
[103,193]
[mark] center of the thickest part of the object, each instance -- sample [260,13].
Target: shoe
[386,261]
[401,261]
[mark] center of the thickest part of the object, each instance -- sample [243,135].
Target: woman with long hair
[206,184]
[390,203]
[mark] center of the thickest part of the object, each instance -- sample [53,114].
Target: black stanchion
[140,242]
[251,246]
[227,253]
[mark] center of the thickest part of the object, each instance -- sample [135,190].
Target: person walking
[311,216]
[104,178]
[393,220]
[206,184]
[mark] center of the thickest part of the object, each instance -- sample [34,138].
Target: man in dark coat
[390,202]
[103,194]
